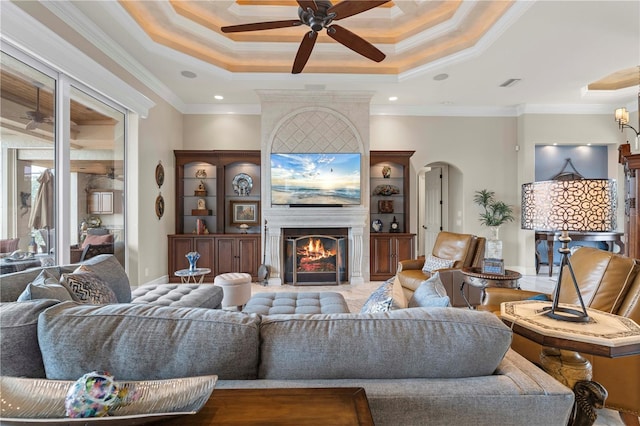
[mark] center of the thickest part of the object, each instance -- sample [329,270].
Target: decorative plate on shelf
[242,184]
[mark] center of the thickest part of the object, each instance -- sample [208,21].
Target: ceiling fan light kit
[318,15]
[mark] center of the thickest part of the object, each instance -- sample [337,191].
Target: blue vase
[192,257]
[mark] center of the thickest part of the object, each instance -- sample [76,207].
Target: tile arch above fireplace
[305,121]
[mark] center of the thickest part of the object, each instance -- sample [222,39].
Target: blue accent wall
[589,161]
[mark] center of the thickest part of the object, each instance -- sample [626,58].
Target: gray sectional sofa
[436,366]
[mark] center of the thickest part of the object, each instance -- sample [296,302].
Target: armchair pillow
[433,263]
[431,293]
[388,296]
[97,239]
[45,286]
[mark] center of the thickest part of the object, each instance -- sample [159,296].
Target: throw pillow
[45,286]
[433,263]
[431,293]
[382,299]
[87,287]
[97,239]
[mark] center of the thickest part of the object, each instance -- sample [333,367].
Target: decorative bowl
[36,401]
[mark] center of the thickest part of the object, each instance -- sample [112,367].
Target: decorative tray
[39,401]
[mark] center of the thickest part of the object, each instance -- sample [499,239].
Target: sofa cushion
[179,295]
[431,293]
[87,287]
[433,263]
[270,303]
[111,271]
[19,350]
[12,285]
[385,298]
[138,342]
[45,286]
[405,343]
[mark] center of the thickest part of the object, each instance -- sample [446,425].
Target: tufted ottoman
[236,287]
[296,303]
[179,295]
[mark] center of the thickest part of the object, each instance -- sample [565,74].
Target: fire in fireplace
[315,259]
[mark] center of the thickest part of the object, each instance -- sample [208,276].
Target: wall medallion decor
[242,184]
[159,206]
[159,174]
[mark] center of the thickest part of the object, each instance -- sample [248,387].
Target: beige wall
[495,153]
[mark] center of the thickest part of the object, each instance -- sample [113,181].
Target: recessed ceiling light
[393,98]
[555,144]
[218,97]
[189,74]
[441,77]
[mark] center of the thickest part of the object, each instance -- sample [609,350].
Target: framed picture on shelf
[247,212]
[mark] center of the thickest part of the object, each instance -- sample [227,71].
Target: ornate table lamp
[570,205]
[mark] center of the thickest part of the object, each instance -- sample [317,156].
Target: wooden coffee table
[291,406]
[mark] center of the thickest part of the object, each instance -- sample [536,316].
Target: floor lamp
[587,205]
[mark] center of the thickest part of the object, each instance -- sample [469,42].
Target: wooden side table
[291,406]
[476,278]
[605,335]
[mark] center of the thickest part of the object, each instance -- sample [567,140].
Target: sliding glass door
[62,169]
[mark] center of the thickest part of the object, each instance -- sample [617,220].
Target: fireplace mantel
[353,218]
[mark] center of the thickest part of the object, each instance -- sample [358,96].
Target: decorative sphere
[93,395]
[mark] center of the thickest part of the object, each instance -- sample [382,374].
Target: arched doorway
[433,204]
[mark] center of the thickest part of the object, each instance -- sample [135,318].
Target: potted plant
[494,215]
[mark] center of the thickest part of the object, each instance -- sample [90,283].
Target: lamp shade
[587,205]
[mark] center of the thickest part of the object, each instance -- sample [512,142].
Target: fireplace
[315,256]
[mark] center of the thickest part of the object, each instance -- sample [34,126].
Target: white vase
[493,249]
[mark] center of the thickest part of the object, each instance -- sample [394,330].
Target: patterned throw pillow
[382,299]
[45,286]
[87,287]
[431,293]
[433,263]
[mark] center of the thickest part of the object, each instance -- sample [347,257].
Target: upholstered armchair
[608,282]
[9,245]
[465,250]
[100,241]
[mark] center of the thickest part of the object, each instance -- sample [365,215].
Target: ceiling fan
[319,14]
[37,117]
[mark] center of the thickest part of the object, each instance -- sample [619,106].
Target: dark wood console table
[291,406]
[611,238]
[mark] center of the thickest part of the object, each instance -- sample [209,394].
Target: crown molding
[46,46]
[73,17]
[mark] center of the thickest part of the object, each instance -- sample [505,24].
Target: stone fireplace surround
[316,122]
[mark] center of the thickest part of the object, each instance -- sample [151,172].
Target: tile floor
[356,295]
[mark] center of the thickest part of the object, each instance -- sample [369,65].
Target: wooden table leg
[573,370]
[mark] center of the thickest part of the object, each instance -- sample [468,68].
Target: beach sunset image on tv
[315,179]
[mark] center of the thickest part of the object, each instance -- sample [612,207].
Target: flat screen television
[303,179]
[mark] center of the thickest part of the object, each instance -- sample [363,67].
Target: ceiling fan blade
[347,8]
[306,4]
[261,26]
[31,125]
[355,43]
[304,51]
